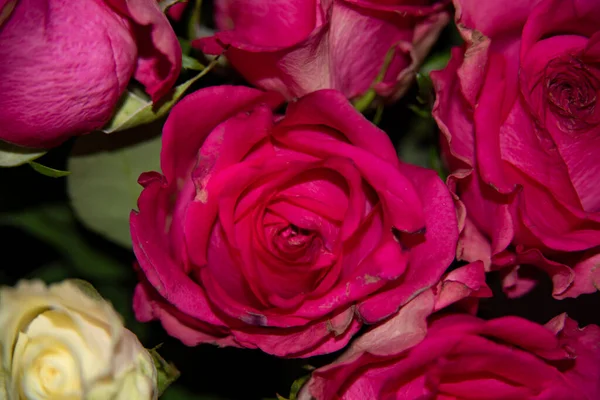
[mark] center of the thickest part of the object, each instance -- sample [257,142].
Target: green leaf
[167,373]
[435,62]
[47,171]
[13,156]
[55,225]
[426,94]
[295,389]
[135,111]
[188,62]
[103,185]
[129,104]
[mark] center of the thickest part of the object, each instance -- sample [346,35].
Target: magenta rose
[284,233]
[519,109]
[299,46]
[65,64]
[176,10]
[466,358]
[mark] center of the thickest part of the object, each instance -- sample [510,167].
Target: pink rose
[518,107]
[299,46]
[464,357]
[284,233]
[176,10]
[65,64]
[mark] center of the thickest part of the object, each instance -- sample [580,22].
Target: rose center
[51,376]
[293,238]
[52,373]
[572,92]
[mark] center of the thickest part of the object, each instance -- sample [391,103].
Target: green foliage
[103,185]
[130,105]
[47,171]
[419,143]
[191,63]
[55,225]
[167,373]
[435,62]
[295,389]
[13,156]
[135,110]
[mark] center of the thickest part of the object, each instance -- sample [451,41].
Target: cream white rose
[61,343]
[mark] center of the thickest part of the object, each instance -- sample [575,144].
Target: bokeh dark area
[42,249]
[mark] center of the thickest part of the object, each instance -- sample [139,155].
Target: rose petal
[159,53]
[268,25]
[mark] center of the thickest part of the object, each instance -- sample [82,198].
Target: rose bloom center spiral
[572,93]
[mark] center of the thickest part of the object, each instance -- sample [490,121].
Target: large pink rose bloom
[64,64]
[284,233]
[519,107]
[466,358]
[299,46]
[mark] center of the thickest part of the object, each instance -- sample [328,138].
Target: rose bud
[65,64]
[299,46]
[284,233]
[59,342]
[519,110]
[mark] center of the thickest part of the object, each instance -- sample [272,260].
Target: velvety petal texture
[299,46]
[65,64]
[462,357]
[517,107]
[284,233]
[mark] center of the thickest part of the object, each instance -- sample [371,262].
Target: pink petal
[159,53]
[269,25]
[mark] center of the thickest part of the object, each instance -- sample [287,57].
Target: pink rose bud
[64,64]
[519,109]
[284,233]
[299,46]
